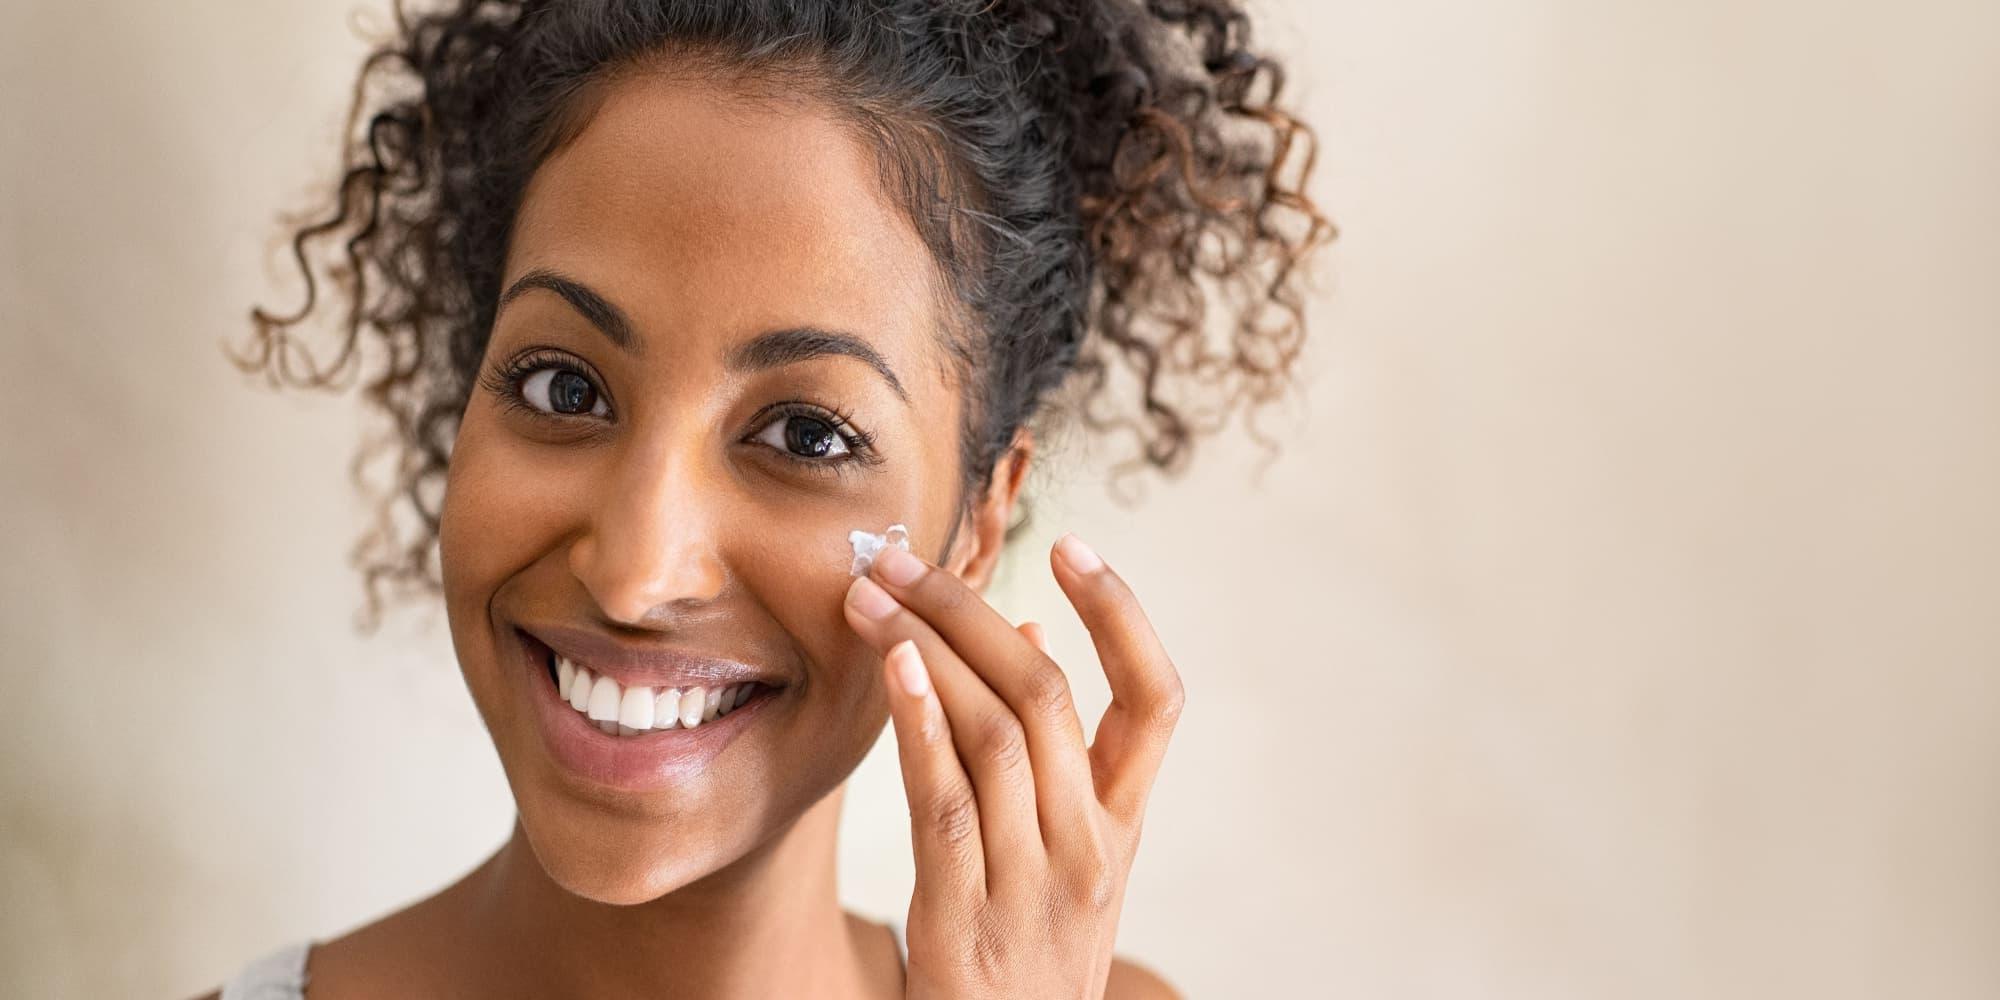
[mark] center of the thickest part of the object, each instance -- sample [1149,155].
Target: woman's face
[696,286]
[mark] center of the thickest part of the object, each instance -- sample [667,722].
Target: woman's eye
[804,437]
[563,392]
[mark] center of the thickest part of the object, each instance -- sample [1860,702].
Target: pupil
[570,393]
[805,441]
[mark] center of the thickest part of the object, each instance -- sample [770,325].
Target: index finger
[1146,692]
[1014,665]
[1008,659]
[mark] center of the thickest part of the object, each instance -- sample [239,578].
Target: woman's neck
[769,925]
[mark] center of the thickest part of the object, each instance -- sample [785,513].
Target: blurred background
[1621,617]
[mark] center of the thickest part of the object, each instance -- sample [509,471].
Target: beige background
[1622,618]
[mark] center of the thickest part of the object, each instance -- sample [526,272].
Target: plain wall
[1621,617]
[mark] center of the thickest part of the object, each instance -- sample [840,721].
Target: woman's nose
[652,538]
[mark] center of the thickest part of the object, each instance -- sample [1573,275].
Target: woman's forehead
[701,210]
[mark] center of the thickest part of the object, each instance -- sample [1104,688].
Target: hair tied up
[1118,210]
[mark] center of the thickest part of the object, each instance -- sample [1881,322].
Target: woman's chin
[615,877]
[616,860]
[625,888]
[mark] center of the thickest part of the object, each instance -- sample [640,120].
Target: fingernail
[899,567]
[1078,555]
[870,599]
[910,672]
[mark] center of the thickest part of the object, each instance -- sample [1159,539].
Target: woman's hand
[1023,837]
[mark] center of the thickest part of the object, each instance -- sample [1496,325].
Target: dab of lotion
[867,544]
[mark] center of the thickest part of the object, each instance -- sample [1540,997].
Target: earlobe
[983,531]
[962,560]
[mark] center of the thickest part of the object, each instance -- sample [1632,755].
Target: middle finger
[988,738]
[1014,666]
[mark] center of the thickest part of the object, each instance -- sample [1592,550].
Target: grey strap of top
[280,975]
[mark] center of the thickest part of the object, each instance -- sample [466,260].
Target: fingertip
[1037,635]
[1081,559]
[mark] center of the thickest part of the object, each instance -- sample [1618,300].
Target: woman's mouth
[638,710]
[631,735]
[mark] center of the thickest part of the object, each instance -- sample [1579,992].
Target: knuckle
[1047,689]
[1095,885]
[953,817]
[989,958]
[1170,699]
[1002,743]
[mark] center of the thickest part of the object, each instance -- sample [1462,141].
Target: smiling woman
[651,279]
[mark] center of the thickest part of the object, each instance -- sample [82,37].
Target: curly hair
[1090,175]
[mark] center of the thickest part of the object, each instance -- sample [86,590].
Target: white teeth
[694,701]
[635,709]
[603,701]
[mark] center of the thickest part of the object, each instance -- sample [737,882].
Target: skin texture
[672,516]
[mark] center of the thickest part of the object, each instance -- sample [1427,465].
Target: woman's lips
[650,761]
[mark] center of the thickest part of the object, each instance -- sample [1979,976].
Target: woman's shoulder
[1131,981]
[394,952]
[282,973]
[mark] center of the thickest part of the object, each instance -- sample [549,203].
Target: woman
[673,299]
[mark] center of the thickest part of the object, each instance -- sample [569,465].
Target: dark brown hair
[1091,176]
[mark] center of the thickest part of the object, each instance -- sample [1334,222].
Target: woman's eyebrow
[607,318]
[784,347]
[766,350]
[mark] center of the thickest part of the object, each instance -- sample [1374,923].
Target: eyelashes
[854,442]
[506,382]
[509,383]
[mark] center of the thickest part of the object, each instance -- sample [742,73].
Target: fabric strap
[279,975]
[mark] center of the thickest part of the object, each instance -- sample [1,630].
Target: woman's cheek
[476,501]
[801,575]
[502,508]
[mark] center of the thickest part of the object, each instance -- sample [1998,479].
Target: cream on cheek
[800,576]
[867,545]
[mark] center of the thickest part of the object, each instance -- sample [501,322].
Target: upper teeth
[627,711]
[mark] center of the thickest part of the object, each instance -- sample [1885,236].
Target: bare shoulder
[1131,981]
[405,953]
[211,995]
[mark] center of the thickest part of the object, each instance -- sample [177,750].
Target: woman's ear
[984,530]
